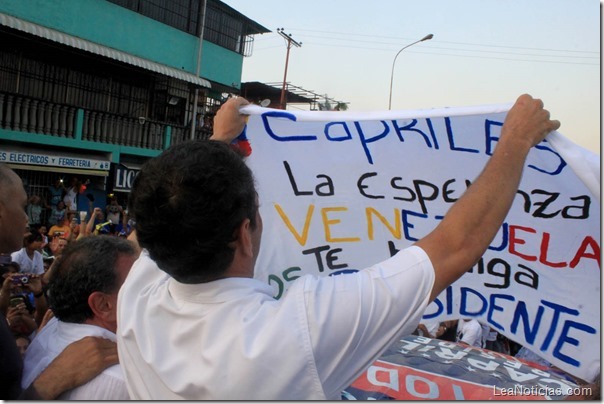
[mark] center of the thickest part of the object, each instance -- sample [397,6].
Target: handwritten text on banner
[340,192]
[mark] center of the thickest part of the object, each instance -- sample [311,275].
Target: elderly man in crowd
[82,293]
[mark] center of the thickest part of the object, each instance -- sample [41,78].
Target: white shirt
[28,265]
[469,332]
[230,339]
[70,199]
[50,342]
[486,331]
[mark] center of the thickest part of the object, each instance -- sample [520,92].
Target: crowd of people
[68,370]
[58,215]
[27,273]
[43,243]
[179,282]
[468,331]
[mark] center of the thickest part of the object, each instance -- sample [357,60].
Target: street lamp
[427,37]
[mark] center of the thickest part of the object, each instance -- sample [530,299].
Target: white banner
[341,191]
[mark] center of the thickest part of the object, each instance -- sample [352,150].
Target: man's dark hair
[86,265]
[33,237]
[187,203]
[6,268]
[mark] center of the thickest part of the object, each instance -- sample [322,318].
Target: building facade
[90,89]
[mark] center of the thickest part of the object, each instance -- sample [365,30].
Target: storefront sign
[52,160]
[124,178]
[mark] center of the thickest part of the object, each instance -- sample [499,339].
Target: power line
[476,50]
[459,49]
[468,56]
[515,60]
[457,43]
[481,52]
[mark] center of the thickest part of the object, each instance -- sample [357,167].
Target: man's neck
[102,324]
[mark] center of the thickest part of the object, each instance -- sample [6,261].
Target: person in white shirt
[82,293]
[71,194]
[489,337]
[195,325]
[469,331]
[29,258]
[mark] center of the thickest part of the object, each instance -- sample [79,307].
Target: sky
[482,52]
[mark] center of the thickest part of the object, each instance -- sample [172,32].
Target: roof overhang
[251,27]
[255,90]
[88,46]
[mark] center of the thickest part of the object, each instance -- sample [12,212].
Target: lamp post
[427,37]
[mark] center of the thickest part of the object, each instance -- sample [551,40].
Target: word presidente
[552,323]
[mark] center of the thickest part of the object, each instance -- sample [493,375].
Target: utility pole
[290,41]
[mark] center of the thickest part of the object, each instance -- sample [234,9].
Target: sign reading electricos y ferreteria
[52,160]
[340,191]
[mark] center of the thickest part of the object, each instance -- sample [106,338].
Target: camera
[21,280]
[16,300]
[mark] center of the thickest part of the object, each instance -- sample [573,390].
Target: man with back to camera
[68,370]
[82,293]
[194,324]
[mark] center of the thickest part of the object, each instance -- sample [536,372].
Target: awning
[101,50]
[97,173]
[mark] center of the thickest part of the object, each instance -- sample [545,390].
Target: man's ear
[243,238]
[100,304]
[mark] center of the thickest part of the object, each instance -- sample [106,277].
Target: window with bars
[60,76]
[221,27]
[224,30]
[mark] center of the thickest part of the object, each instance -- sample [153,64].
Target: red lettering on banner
[514,240]
[582,253]
[589,248]
[543,256]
